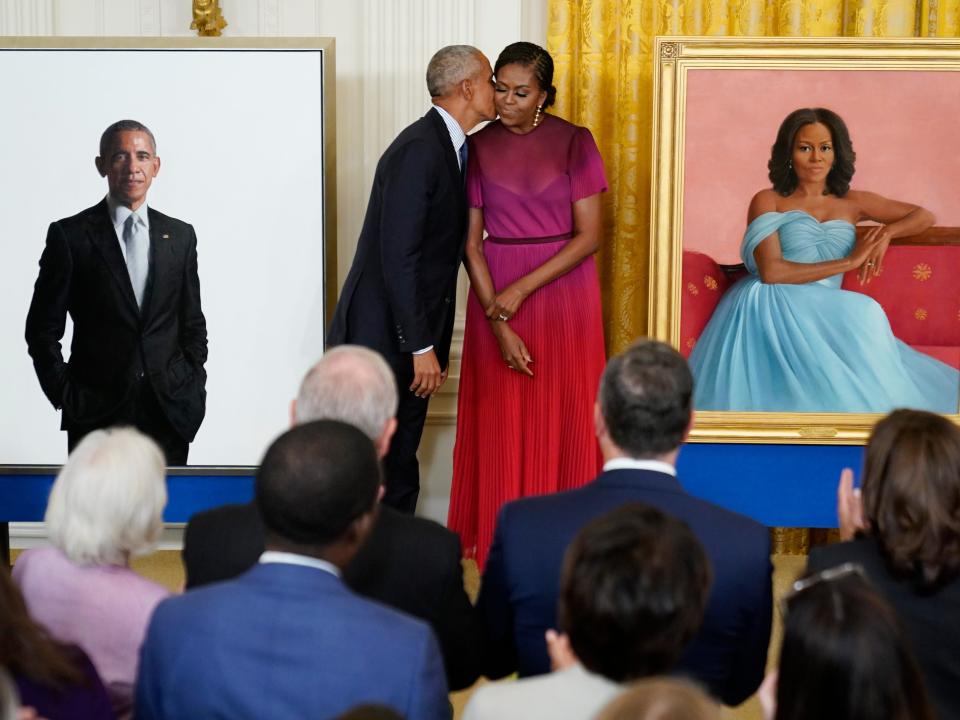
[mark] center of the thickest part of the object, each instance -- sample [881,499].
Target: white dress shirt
[628,463]
[285,558]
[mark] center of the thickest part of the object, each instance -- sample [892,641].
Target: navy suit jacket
[400,292]
[285,641]
[521,582]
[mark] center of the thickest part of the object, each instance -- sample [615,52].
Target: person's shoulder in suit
[170,222]
[221,543]
[413,564]
[863,550]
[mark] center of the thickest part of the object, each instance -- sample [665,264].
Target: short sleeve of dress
[585,167]
[474,189]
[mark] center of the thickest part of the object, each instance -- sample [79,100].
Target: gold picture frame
[677,60]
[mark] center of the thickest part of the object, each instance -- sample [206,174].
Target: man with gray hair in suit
[409,563]
[398,298]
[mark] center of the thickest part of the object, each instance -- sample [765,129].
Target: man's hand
[427,377]
[559,650]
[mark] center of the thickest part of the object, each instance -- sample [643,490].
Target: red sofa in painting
[919,289]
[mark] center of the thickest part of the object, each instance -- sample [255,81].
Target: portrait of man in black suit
[398,298]
[127,276]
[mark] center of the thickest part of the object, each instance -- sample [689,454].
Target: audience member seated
[633,590]
[106,506]
[906,534]
[844,655]
[58,681]
[642,416]
[287,639]
[409,563]
[661,698]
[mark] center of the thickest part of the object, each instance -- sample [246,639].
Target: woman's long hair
[911,495]
[26,649]
[845,657]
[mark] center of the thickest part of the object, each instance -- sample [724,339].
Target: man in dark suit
[409,563]
[287,639]
[127,275]
[642,416]
[399,295]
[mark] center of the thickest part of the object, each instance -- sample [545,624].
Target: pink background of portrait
[905,128]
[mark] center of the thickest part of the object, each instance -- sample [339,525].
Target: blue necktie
[463,160]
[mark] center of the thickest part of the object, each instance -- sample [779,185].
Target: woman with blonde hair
[106,506]
[662,698]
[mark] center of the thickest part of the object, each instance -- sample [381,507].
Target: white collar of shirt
[457,136]
[119,214]
[628,463]
[285,558]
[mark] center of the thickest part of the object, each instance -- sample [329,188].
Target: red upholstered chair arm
[919,287]
[703,284]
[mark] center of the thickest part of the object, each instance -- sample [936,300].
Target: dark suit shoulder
[862,550]
[172,223]
[237,515]
[95,213]
[221,543]
[417,530]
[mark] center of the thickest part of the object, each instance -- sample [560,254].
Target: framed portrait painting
[782,167]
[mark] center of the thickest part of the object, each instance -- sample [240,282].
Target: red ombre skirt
[519,436]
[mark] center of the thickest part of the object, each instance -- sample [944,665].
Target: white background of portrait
[240,140]
[381,53]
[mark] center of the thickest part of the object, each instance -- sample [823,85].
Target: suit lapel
[161,249]
[449,154]
[104,239]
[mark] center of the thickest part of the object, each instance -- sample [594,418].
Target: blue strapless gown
[812,347]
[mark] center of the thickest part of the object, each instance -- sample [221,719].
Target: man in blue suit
[288,639]
[642,416]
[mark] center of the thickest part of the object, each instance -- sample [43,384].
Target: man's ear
[599,424]
[686,433]
[156,165]
[101,166]
[383,442]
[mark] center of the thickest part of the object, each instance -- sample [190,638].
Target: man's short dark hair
[633,591]
[124,126]
[645,398]
[315,480]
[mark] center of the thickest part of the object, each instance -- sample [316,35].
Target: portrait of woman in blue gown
[787,338]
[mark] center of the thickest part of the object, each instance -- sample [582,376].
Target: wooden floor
[166,568]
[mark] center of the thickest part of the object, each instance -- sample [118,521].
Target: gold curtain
[604,76]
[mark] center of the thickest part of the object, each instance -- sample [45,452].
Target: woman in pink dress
[533,348]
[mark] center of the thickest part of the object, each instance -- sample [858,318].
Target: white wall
[382,50]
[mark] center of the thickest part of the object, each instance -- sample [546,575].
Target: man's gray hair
[353,385]
[107,502]
[450,66]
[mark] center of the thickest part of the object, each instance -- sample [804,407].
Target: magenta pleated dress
[516,435]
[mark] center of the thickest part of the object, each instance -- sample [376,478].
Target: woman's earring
[536,118]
